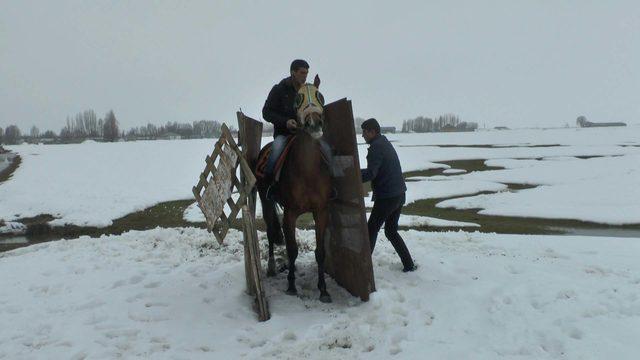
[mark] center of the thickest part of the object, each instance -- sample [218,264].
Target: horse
[305,186]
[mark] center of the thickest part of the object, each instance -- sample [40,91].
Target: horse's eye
[299,100]
[320,98]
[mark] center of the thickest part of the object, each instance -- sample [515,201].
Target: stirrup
[272,192]
[334,194]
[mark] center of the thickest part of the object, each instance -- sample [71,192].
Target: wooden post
[249,137]
[255,269]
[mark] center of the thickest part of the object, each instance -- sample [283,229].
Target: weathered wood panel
[347,241]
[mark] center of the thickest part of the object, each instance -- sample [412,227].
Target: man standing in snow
[279,109]
[384,172]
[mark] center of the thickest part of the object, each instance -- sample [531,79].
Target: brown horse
[305,186]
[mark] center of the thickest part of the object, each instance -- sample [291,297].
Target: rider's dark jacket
[279,106]
[383,170]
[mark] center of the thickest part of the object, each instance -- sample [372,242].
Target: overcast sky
[513,63]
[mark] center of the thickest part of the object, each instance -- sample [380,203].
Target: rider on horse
[280,109]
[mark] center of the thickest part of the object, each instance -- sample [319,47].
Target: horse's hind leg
[274,231]
[321,219]
[289,225]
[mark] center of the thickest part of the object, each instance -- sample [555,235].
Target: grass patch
[170,214]
[585,157]
[469,165]
[485,146]
[8,172]
[503,224]
[166,214]
[515,187]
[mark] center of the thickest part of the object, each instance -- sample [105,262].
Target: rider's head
[370,129]
[299,70]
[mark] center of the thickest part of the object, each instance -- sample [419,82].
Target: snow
[12,228]
[416,221]
[444,187]
[94,183]
[603,190]
[193,214]
[454,171]
[176,293]
[5,160]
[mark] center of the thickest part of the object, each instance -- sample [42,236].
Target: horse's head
[309,103]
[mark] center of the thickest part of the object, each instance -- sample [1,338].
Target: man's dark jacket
[383,169]
[279,106]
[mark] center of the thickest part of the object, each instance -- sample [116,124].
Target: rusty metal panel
[347,241]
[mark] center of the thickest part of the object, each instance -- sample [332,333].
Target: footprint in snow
[153,285]
[136,279]
[156,304]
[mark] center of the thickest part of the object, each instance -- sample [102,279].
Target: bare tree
[35,132]
[358,123]
[581,121]
[1,135]
[100,128]
[110,128]
[49,134]
[12,135]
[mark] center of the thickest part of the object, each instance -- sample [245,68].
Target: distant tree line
[11,135]
[421,124]
[446,122]
[86,125]
[195,130]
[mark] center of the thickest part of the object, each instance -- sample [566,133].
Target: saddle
[263,158]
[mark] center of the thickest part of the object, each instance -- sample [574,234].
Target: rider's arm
[270,109]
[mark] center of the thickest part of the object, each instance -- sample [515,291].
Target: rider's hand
[316,81]
[292,125]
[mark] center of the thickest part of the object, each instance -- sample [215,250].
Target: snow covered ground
[194,214]
[176,294]
[603,190]
[95,183]
[5,160]
[12,228]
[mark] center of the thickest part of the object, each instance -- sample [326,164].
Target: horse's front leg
[321,218]
[289,227]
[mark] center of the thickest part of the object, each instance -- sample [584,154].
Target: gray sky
[514,63]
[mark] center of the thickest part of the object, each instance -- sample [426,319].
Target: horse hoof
[326,298]
[285,267]
[293,292]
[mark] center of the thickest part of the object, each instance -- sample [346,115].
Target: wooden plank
[349,254]
[249,136]
[251,238]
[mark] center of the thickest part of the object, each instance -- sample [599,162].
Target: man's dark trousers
[387,211]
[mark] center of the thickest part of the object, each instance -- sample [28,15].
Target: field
[492,220]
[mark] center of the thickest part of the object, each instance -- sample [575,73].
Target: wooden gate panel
[347,241]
